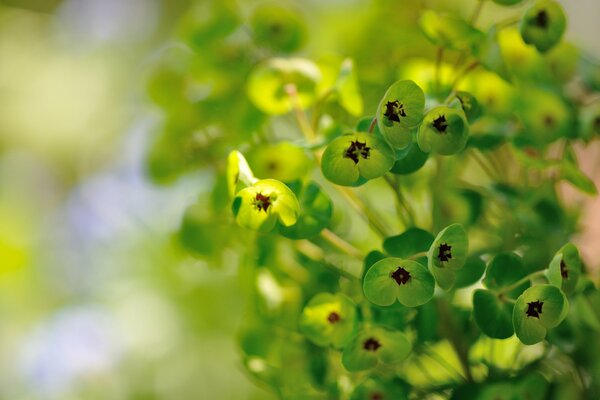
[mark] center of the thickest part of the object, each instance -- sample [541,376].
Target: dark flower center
[371,344]
[549,121]
[564,271]
[333,317]
[401,276]
[534,309]
[541,19]
[376,396]
[440,124]
[262,202]
[597,123]
[444,252]
[394,110]
[356,150]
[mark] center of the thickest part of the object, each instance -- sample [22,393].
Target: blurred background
[98,300]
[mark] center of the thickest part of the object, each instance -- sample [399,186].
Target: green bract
[565,268]
[329,319]
[409,159]
[400,110]
[504,270]
[283,161]
[543,24]
[278,28]
[449,249]
[507,2]
[394,278]
[272,82]
[260,206]
[374,345]
[239,174]
[538,309]
[444,131]
[315,211]
[413,240]
[492,314]
[469,105]
[379,389]
[350,157]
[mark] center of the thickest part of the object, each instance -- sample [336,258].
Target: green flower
[278,28]
[447,254]
[400,110]
[444,131]
[353,158]
[261,206]
[565,268]
[394,278]
[543,24]
[375,345]
[329,319]
[538,309]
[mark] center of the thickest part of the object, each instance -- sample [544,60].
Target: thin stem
[418,255]
[341,244]
[431,353]
[476,12]
[482,163]
[362,209]
[521,281]
[401,200]
[372,126]
[438,69]
[317,109]
[315,253]
[301,117]
[464,72]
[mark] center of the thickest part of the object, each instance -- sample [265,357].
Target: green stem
[300,115]
[363,210]
[418,255]
[401,200]
[341,244]
[521,281]
[476,12]
[317,109]
[315,253]
[438,69]
[464,72]
[372,126]
[431,353]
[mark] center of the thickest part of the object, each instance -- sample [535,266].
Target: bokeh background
[98,300]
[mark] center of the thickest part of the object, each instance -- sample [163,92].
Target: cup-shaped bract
[329,319]
[316,209]
[278,28]
[393,279]
[504,270]
[449,249]
[239,174]
[538,309]
[400,110]
[543,24]
[565,268]
[283,161]
[492,314]
[379,389]
[374,345]
[355,157]
[261,206]
[272,82]
[444,131]
[448,31]
[469,105]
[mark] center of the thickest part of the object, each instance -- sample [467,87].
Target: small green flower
[543,24]
[447,254]
[316,209]
[538,309]
[565,268]
[394,278]
[448,31]
[444,131]
[283,161]
[374,345]
[329,319]
[278,28]
[261,206]
[353,158]
[400,110]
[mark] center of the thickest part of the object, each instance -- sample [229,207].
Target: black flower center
[549,121]
[394,110]
[333,317]
[371,344]
[376,396]
[401,276]
[534,309]
[440,124]
[541,19]
[262,202]
[597,123]
[444,252]
[564,271]
[356,150]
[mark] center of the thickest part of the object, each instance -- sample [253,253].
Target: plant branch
[341,244]
[521,281]
[401,200]
[299,113]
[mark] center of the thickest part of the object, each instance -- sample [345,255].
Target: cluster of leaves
[472,154]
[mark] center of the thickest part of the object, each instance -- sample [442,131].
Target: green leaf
[269,84]
[471,272]
[449,249]
[489,54]
[412,241]
[239,174]
[444,131]
[375,345]
[351,157]
[347,88]
[448,31]
[504,270]
[538,309]
[283,161]
[543,24]
[316,209]
[278,28]
[394,278]
[565,269]
[329,319]
[572,174]
[260,206]
[400,110]
[444,277]
[492,315]
[409,159]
